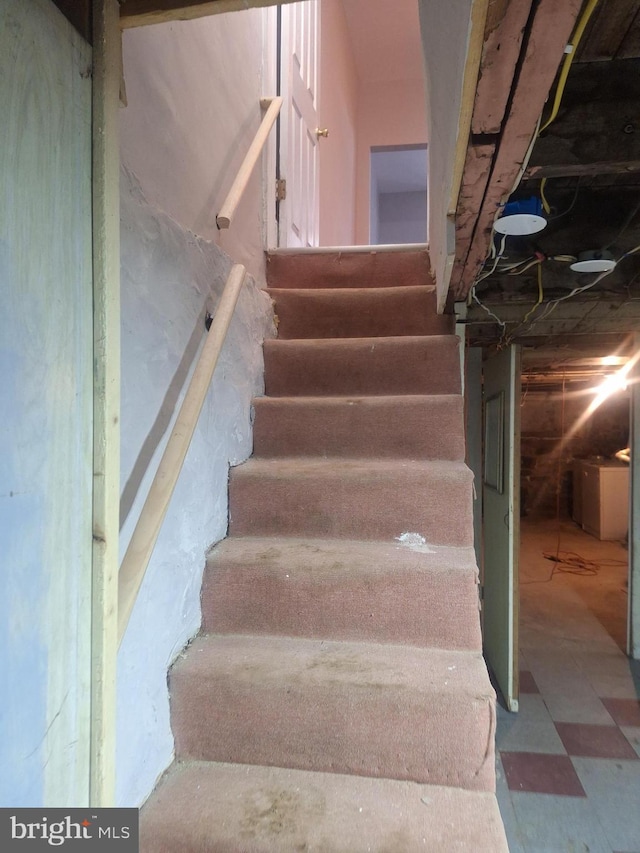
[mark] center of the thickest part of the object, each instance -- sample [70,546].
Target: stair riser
[437,507]
[220,808]
[436,609]
[356,269]
[358,313]
[378,366]
[366,730]
[409,428]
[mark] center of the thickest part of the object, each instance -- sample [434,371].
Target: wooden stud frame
[106,397]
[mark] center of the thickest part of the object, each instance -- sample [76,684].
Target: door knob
[322,131]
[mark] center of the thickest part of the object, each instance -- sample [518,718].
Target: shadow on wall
[163,419]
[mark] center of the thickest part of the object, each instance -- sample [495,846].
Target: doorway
[573,532]
[398,194]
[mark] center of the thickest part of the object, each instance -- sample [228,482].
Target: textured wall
[193,93]
[170,278]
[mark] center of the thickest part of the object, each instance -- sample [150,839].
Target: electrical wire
[540,295]
[545,203]
[566,65]
[527,266]
[497,258]
[572,205]
[500,322]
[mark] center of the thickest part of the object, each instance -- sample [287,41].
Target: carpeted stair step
[358,312]
[206,807]
[362,366]
[343,590]
[352,499]
[410,427]
[391,711]
[344,268]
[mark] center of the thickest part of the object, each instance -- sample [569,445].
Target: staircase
[337,699]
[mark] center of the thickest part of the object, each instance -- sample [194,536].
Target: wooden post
[106,397]
[223,219]
[633,623]
[153,512]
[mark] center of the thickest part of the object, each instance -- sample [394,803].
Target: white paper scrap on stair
[415,542]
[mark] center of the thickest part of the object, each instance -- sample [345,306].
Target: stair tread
[343,590]
[387,341]
[203,807]
[382,401]
[327,556]
[347,498]
[352,292]
[351,468]
[340,267]
[268,660]
[363,708]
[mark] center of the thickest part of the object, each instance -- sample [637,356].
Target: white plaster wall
[402,217]
[389,113]
[169,279]
[193,91]
[46,401]
[337,110]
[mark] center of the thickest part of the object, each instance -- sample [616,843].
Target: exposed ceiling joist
[587,170]
[502,45]
[544,47]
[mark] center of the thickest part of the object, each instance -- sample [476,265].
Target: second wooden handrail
[228,209]
[145,535]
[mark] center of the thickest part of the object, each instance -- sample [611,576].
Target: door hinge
[281,189]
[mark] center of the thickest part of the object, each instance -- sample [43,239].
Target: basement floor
[568,764]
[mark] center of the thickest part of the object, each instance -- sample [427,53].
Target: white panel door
[501,528]
[298,213]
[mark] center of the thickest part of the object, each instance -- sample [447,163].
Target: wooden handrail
[145,535]
[228,209]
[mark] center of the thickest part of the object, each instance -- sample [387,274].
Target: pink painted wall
[389,113]
[338,98]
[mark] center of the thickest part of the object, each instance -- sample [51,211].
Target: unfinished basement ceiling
[589,159]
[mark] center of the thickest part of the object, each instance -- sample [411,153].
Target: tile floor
[568,763]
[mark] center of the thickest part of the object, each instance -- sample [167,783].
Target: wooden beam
[138,13]
[607,30]
[586,132]
[477,169]
[630,47]
[633,623]
[469,85]
[550,33]
[573,170]
[106,398]
[500,53]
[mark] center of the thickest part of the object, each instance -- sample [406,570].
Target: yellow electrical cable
[575,41]
[545,203]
